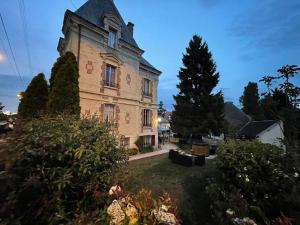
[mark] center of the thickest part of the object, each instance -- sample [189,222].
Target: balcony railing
[110,84]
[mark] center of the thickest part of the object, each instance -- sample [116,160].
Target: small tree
[197,110]
[2,116]
[64,95]
[250,101]
[161,110]
[34,99]
[58,64]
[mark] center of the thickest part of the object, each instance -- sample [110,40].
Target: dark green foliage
[58,64]
[64,95]
[256,180]
[250,101]
[34,99]
[2,116]
[141,147]
[161,110]
[197,110]
[64,168]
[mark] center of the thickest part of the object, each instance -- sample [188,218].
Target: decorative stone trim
[117,116]
[142,89]
[152,91]
[102,77]
[142,120]
[127,118]
[119,81]
[89,67]
[128,79]
[101,112]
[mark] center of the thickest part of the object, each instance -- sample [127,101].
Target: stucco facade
[125,69]
[273,135]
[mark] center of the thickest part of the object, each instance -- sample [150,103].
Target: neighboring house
[163,125]
[235,116]
[266,131]
[116,83]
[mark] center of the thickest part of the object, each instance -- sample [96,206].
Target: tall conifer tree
[64,94]
[34,101]
[250,101]
[197,110]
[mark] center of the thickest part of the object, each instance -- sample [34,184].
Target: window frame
[147,140]
[109,119]
[110,75]
[112,38]
[147,118]
[147,87]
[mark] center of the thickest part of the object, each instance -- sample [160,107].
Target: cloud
[269,24]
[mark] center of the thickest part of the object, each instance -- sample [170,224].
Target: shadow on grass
[185,184]
[195,207]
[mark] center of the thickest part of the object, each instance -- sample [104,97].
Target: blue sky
[248,39]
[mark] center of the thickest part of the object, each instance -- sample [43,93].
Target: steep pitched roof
[94,10]
[234,116]
[252,129]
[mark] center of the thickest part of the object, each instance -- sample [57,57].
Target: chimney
[130,28]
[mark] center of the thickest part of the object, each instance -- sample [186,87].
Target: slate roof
[94,10]
[252,129]
[234,116]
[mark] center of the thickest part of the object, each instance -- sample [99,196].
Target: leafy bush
[62,166]
[258,178]
[132,151]
[141,147]
[147,148]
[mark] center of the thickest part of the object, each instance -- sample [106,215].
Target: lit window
[147,119]
[147,85]
[112,38]
[147,140]
[110,76]
[109,113]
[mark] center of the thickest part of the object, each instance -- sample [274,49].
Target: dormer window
[112,36]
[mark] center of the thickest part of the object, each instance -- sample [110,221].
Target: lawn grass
[185,184]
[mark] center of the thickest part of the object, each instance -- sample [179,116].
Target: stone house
[116,83]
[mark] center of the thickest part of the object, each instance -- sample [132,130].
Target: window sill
[110,87]
[147,96]
[147,126]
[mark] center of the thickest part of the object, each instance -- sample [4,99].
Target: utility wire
[11,51]
[25,32]
[6,53]
[72,3]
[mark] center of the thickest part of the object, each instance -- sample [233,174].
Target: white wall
[273,135]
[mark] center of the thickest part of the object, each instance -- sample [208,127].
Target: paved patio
[165,149]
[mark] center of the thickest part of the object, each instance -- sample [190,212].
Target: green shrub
[132,151]
[146,149]
[141,147]
[63,166]
[261,176]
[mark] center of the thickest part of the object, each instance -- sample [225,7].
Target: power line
[25,32]
[6,53]
[72,3]
[11,51]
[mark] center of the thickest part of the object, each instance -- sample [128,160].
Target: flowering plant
[141,208]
